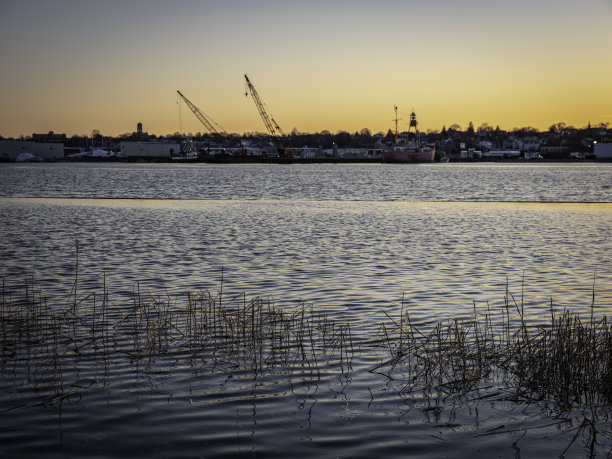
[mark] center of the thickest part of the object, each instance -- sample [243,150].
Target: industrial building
[11,149]
[603,150]
[149,149]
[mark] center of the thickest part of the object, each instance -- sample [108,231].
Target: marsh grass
[40,342]
[566,361]
[563,364]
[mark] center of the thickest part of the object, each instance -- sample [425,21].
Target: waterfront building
[603,150]
[10,150]
[49,137]
[149,149]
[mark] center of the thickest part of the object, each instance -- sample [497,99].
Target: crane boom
[271,125]
[201,116]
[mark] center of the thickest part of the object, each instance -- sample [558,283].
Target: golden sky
[72,66]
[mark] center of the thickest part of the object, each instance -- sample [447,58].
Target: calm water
[352,240]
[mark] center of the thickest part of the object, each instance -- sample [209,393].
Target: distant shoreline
[259,160]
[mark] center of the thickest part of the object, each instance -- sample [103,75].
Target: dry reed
[41,341]
[566,362]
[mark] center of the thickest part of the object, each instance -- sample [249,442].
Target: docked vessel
[409,150]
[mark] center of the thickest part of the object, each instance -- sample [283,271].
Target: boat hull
[423,156]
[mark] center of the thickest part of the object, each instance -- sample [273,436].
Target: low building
[603,150]
[11,149]
[305,152]
[149,149]
[532,155]
[529,145]
[554,151]
[502,154]
[470,153]
[49,137]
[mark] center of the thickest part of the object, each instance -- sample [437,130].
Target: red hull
[398,156]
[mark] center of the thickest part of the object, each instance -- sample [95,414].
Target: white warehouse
[603,150]
[11,149]
[149,149]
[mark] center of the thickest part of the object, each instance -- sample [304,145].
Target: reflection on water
[338,182]
[358,242]
[352,258]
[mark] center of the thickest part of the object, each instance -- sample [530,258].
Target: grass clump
[40,344]
[566,362]
[569,361]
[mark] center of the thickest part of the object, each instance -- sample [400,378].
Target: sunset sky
[71,66]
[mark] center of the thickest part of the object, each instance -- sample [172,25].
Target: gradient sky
[71,66]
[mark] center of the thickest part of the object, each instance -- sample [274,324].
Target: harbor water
[362,243]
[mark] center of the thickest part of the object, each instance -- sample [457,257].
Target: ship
[410,150]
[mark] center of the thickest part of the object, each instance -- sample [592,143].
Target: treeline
[448,139]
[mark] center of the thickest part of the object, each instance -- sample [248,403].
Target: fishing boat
[410,150]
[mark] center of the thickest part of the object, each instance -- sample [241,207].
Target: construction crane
[271,125]
[202,117]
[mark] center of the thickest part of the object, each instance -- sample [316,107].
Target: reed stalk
[566,362]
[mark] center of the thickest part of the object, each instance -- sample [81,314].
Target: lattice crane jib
[206,121]
[271,124]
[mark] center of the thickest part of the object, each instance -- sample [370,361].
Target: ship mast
[396,120]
